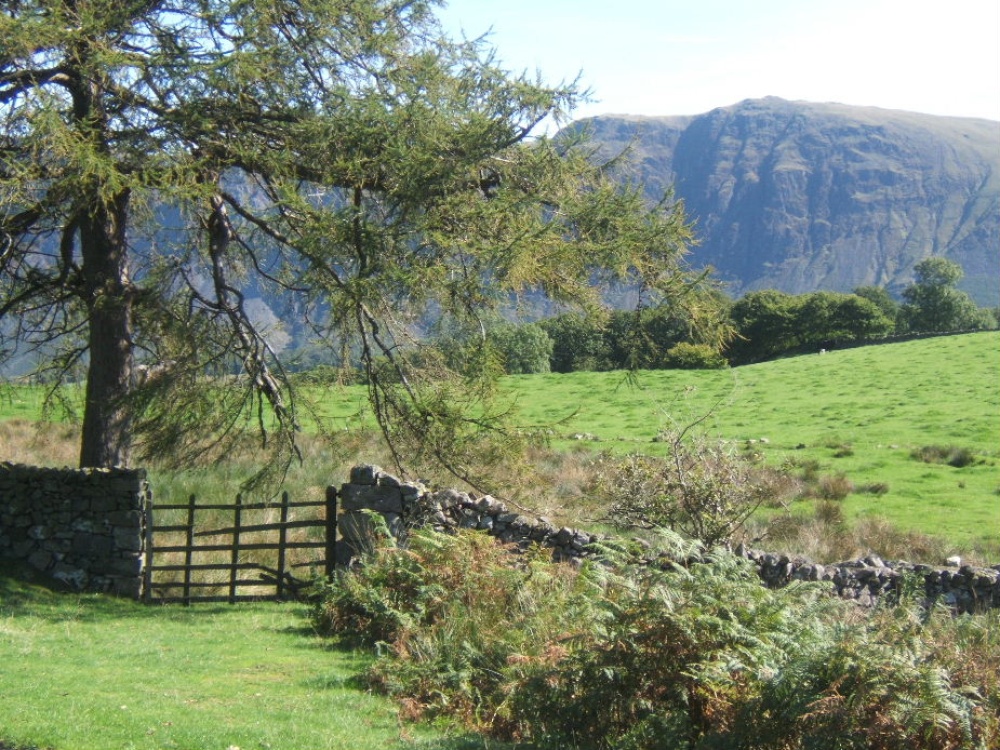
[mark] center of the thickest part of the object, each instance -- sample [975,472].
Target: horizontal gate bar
[210,584]
[224,566]
[227,547]
[205,566]
[247,506]
[321,523]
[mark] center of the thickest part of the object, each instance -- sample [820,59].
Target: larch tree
[161,161]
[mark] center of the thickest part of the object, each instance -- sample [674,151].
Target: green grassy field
[859,412]
[87,672]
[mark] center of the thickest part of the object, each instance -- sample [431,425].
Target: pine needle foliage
[164,163]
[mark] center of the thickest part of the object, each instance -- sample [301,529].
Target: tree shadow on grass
[24,590]
[464,742]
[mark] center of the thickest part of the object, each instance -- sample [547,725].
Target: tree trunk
[106,439]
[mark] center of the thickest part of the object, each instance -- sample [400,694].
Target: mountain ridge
[801,196]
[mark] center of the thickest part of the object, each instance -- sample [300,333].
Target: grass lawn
[86,672]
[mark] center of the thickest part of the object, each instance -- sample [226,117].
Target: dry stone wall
[85,528]
[962,587]
[407,505]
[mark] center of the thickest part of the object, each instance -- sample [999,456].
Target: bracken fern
[690,651]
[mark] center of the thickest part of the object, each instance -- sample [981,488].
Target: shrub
[969,649]
[672,663]
[714,660]
[685,356]
[867,687]
[945,454]
[829,513]
[611,657]
[379,603]
[456,614]
[702,490]
[834,487]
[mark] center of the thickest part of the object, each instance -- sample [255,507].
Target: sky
[682,57]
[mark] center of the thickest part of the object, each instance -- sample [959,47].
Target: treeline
[719,332]
[710,331]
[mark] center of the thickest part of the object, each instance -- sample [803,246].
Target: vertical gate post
[147,572]
[282,538]
[331,529]
[189,554]
[234,559]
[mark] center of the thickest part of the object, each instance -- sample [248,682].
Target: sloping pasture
[862,413]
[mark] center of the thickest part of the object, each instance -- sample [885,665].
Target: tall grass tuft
[952,455]
[35,443]
[835,487]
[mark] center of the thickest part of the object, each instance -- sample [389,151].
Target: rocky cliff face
[799,197]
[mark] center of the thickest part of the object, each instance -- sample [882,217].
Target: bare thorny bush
[702,489]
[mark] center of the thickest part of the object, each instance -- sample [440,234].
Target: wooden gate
[192,574]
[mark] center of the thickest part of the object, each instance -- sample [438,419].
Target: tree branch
[13,85]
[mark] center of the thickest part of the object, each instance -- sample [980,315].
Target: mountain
[799,196]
